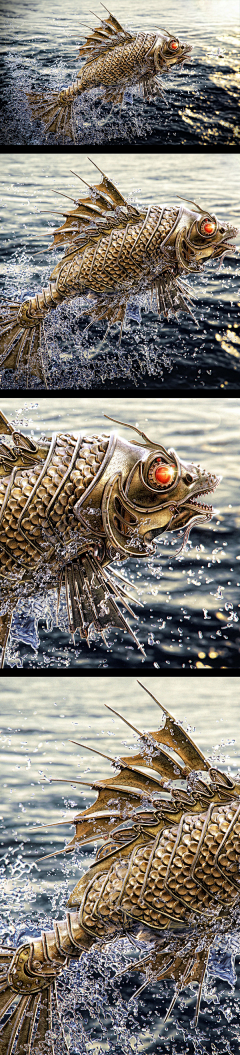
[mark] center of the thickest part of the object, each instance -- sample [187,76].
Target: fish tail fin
[27,1011]
[27,1022]
[20,346]
[55,110]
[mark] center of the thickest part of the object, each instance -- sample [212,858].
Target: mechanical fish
[73,505]
[167,871]
[114,250]
[116,59]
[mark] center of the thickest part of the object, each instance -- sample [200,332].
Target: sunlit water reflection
[37,723]
[191,605]
[40,48]
[155,354]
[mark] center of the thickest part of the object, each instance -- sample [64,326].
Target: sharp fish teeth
[203,506]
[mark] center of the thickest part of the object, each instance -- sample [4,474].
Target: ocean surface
[154,354]
[38,722]
[190,617]
[40,45]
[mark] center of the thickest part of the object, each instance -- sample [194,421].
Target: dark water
[38,720]
[39,52]
[154,354]
[190,617]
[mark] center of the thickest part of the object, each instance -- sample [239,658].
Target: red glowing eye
[160,474]
[164,474]
[208,227]
[174,45]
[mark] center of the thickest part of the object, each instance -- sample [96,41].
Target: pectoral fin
[173,296]
[93,598]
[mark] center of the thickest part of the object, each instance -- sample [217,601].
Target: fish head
[199,236]
[168,51]
[172,488]
[160,493]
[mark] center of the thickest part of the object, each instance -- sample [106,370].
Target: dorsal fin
[123,792]
[174,736]
[96,191]
[133,806]
[94,216]
[104,37]
[24,455]
[5,428]
[117,797]
[22,448]
[24,442]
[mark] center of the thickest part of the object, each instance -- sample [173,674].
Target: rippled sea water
[154,354]
[38,722]
[40,44]
[191,608]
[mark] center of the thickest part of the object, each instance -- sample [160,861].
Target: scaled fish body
[115,60]
[70,507]
[114,250]
[168,871]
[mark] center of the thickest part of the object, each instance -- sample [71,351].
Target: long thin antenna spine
[54,824]
[125,720]
[154,698]
[94,749]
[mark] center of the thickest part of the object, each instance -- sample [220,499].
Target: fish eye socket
[161,474]
[173,45]
[207,227]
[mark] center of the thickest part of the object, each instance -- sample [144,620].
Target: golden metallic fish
[115,60]
[71,506]
[114,250]
[167,871]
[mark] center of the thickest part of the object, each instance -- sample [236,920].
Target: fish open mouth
[212,483]
[192,511]
[224,246]
[201,506]
[184,55]
[208,486]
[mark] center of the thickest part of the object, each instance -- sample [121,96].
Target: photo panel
[99,569]
[119,901]
[119,529]
[126,285]
[129,77]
